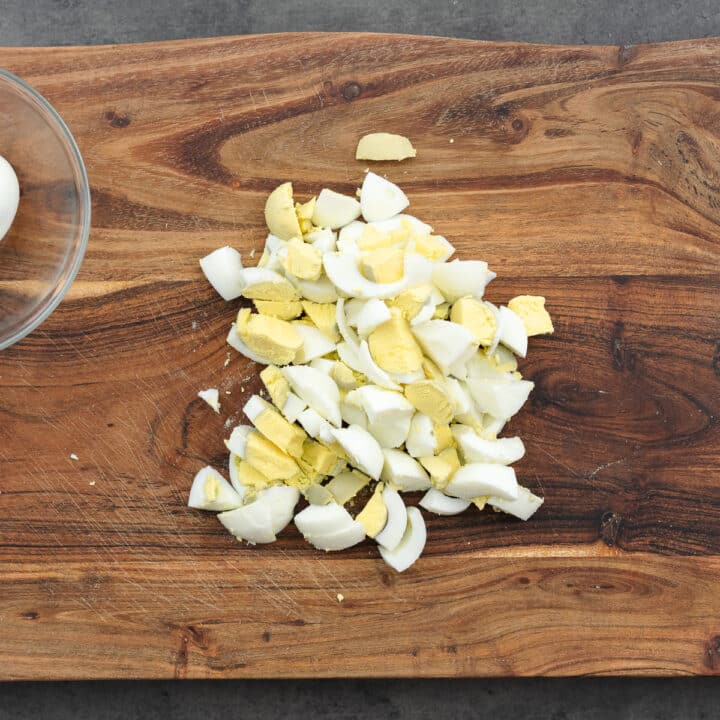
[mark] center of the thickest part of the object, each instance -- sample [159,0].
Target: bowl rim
[85,204]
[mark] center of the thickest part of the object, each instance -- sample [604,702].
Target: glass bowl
[42,251]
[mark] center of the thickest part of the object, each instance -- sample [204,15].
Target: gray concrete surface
[61,22]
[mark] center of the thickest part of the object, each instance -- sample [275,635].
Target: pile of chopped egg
[386,373]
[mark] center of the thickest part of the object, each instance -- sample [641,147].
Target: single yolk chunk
[394,348]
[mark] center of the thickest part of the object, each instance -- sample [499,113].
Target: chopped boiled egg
[223,267]
[384,146]
[459,278]
[387,370]
[334,210]
[531,310]
[212,397]
[403,472]
[380,199]
[317,389]
[373,517]
[269,337]
[362,449]
[302,260]
[283,309]
[280,215]
[211,491]
[476,479]
[436,501]
[391,535]
[411,545]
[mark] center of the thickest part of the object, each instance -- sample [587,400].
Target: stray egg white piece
[380,199]
[334,210]
[524,507]
[403,472]
[411,545]
[211,491]
[253,522]
[329,527]
[362,448]
[10,198]
[439,503]
[222,267]
[391,535]
[317,389]
[293,407]
[476,479]
[212,397]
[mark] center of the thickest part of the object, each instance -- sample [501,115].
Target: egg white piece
[222,267]
[446,343]
[513,334]
[439,503]
[293,407]
[402,472]
[352,411]
[348,237]
[329,527]
[320,291]
[239,488]
[492,427]
[212,397]
[253,522]
[281,500]
[362,448]
[410,546]
[498,398]
[315,343]
[372,314]
[524,507]
[313,423]
[388,412]
[391,535]
[380,199]
[395,223]
[459,278]
[480,366]
[317,389]
[323,364]
[324,240]
[334,210]
[474,448]
[235,342]
[421,436]
[211,491]
[343,323]
[476,479]
[238,440]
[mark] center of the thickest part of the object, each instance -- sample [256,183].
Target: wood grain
[586,174]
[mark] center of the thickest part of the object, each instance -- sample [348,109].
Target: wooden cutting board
[590,175]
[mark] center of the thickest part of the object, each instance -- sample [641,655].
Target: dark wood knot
[117,121]
[351,90]
[610,527]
